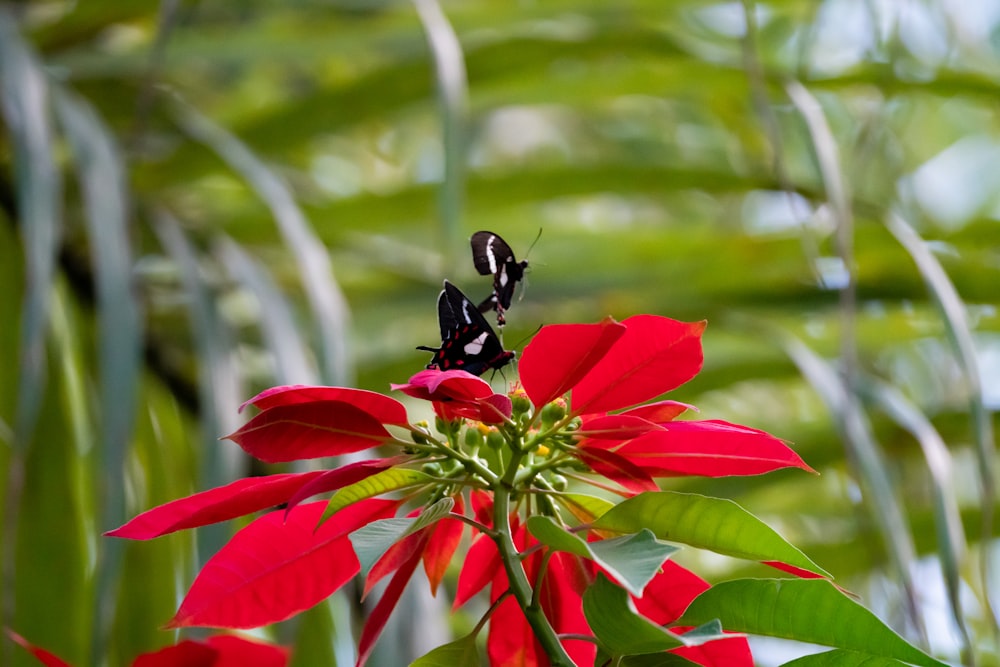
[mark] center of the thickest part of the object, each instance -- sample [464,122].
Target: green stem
[519,584]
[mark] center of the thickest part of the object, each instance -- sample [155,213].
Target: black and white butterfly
[467,341]
[492,256]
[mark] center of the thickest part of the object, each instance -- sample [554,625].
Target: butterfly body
[492,256]
[467,341]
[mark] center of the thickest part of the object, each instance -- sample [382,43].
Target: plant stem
[519,584]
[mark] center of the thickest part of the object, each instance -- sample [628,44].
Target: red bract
[457,394]
[272,570]
[45,657]
[656,354]
[309,431]
[383,408]
[711,448]
[611,365]
[561,354]
[241,497]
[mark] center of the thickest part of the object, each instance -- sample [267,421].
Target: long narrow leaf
[313,261]
[24,93]
[290,353]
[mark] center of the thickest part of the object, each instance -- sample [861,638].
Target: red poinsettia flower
[457,394]
[581,407]
[612,366]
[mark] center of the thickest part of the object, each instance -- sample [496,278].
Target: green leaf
[612,616]
[384,482]
[808,610]
[633,560]
[373,540]
[715,524]
[708,632]
[654,660]
[459,653]
[584,507]
[841,658]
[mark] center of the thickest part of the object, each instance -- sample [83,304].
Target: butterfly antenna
[524,279]
[528,252]
[531,335]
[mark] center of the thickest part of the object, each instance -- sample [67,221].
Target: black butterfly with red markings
[467,341]
[492,256]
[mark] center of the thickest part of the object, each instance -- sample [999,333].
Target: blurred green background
[199,200]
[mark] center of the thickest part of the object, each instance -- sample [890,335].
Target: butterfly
[467,341]
[492,256]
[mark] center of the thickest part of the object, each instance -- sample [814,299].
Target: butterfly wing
[489,252]
[492,256]
[467,341]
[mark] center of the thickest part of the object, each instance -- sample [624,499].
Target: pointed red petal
[380,614]
[791,569]
[436,385]
[241,497]
[510,641]
[560,354]
[711,448]
[385,409]
[186,653]
[563,604]
[728,652]
[331,480]
[481,564]
[660,412]
[482,506]
[616,427]
[656,354]
[45,657]
[617,468]
[395,557]
[442,545]
[274,569]
[237,651]
[309,431]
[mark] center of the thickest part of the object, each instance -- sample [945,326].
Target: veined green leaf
[633,560]
[842,658]
[621,631]
[715,524]
[808,610]
[373,540]
[459,653]
[584,507]
[384,482]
